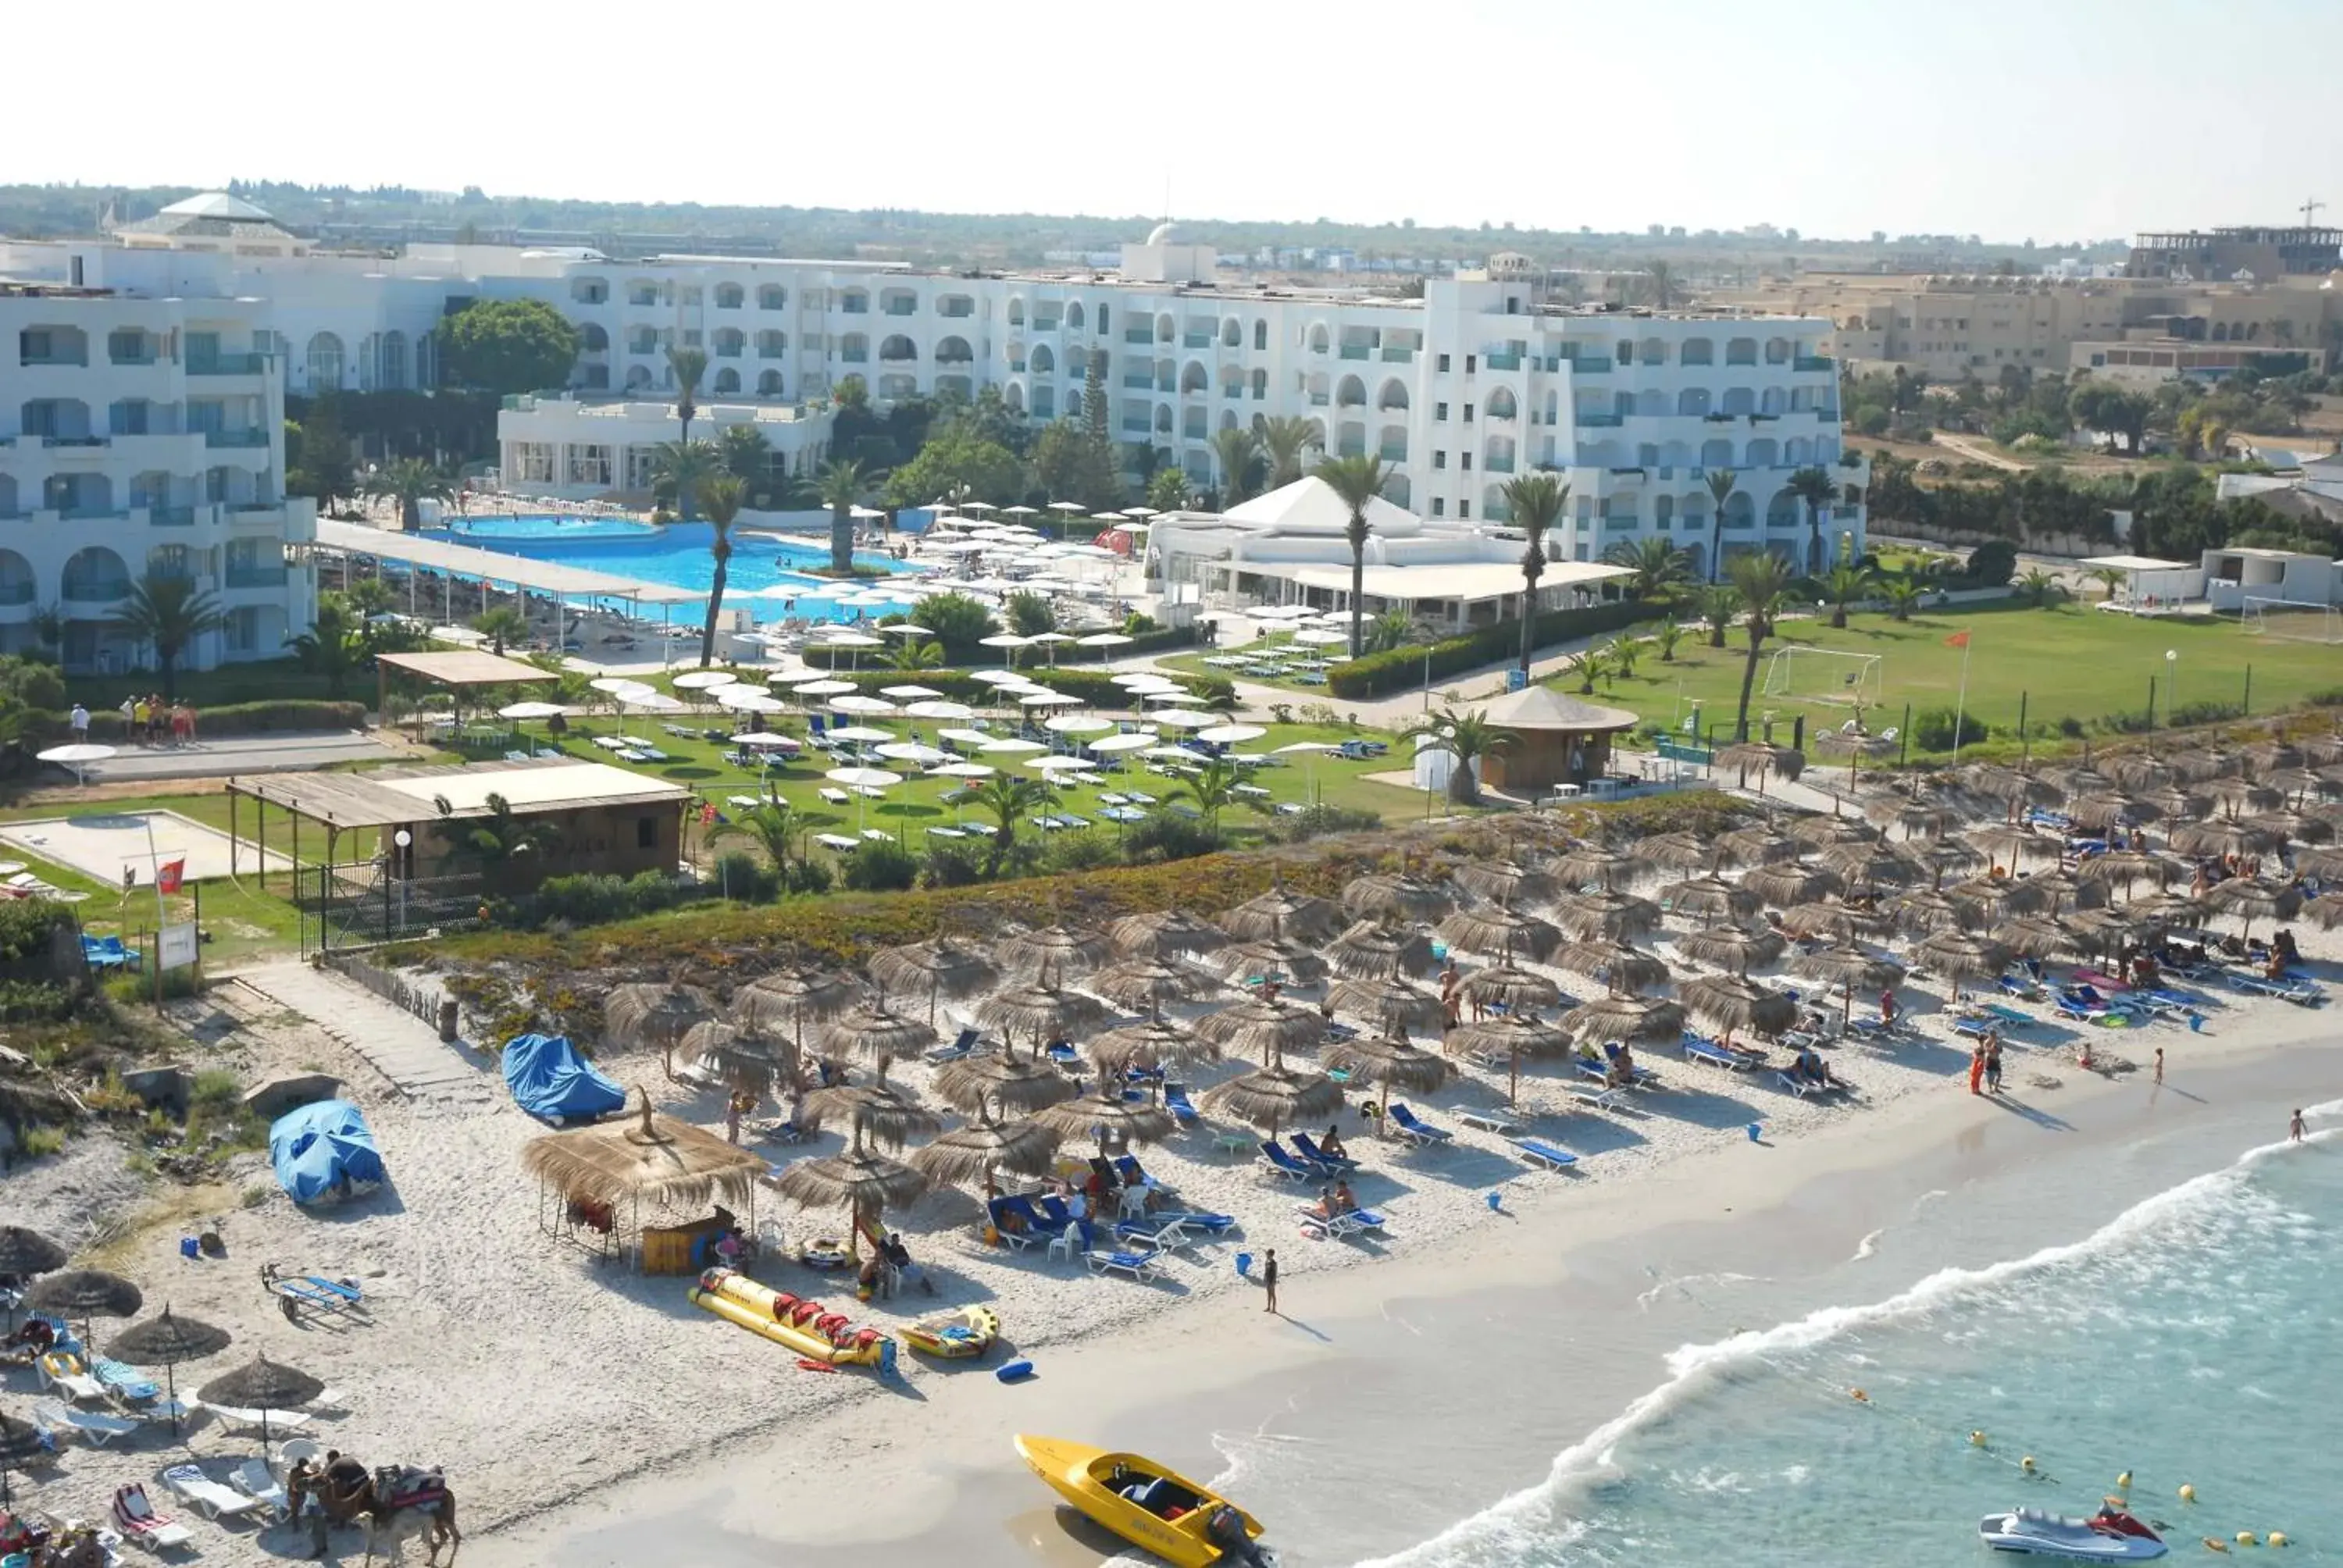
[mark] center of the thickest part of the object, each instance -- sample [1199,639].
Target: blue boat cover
[549,1079]
[318,1147]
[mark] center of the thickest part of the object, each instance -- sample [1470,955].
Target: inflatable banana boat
[808,1328]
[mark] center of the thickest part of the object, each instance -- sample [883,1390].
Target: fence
[363,906]
[423,1002]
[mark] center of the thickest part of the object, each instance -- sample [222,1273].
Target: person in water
[2294,1129]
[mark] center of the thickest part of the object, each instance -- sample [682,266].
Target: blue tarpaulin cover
[316,1148]
[549,1079]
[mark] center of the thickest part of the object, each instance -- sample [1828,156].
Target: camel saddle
[409,1486]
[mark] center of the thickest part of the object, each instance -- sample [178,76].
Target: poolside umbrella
[1149,983]
[1587,917]
[1759,846]
[165,1341]
[1785,883]
[1512,1035]
[1963,955]
[1847,967]
[262,1385]
[1164,933]
[1250,962]
[1734,948]
[1274,1097]
[1678,851]
[1823,833]
[22,1444]
[748,1057]
[650,1014]
[2032,936]
[1109,1119]
[1504,984]
[968,1156]
[1831,918]
[83,1294]
[1623,967]
[1389,1062]
[1736,1002]
[2247,898]
[2103,931]
[943,967]
[1014,1084]
[1054,952]
[879,1111]
[1933,910]
[1503,879]
[1869,864]
[1499,933]
[1279,914]
[1370,950]
[789,999]
[1625,1018]
[1582,864]
[876,1034]
[2002,895]
[1156,1042]
[1258,1026]
[1709,897]
[1040,1011]
[2221,836]
[1391,1004]
[860,1180]
[1402,895]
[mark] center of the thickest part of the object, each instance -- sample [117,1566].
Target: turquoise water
[2193,1341]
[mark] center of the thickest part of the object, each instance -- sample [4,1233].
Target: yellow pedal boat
[1146,1503]
[954,1335]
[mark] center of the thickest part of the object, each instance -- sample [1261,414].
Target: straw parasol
[1372,950]
[2124,866]
[1390,1062]
[1618,965]
[1784,883]
[2108,809]
[1258,1025]
[1931,910]
[1157,1042]
[1281,958]
[24,1252]
[1919,818]
[83,1294]
[1710,897]
[880,1112]
[262,1385]
[1941,858]
[1847,967]
[21,1445]
[1394,1004]
[941,968]
[2167,909]
[1734,948]
[875,1034]
[653,1158]
[788,1000]
[1401,895]
[2325,911]
[2064,887]
[1503,880]
[1499,932]
[1869,864]
[1736,1002]
[2008,844]
[1761,759]
[2139,770]
[968,1156]
[1625,1018]
[2032,936]
[1831,918]
[1011,1082]
[1054,952]
[1759,846]
[2103,931]
[1678,851]
[1164,934]
[2323,863]
[863,1183]
[1109,1120]
[1590,917]
[1274,1097]
[2014,789]
[1852,746]
[2002,895]
[1963,955]
[1278,915]
[1040,1011]
[1504,984]
[749,1059]
[1149,983]
[2221,836]
[1512,1036]
[1823,832]
[1582,864]
[2283,825]
[2247,898]
[2264,757]
[165,1341]
[644,1014]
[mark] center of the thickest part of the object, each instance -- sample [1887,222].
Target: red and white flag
[171,874]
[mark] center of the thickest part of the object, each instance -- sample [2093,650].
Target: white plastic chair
[1067,1243]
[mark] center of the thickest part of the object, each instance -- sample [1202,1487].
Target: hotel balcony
[1357,351]
[1399,355]
[230,365]
[1197,340]
[1503,361]
[245,439]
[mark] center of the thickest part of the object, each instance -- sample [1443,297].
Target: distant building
[2218,254]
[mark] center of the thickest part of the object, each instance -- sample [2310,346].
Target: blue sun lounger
[1176,1102]
[1538,1152]
[1341,1227]
[1016,1224]
[1698,1049]
[1326,1164]
[1275,1157]
[2300,992]
[1141,1266]
[1420,1134]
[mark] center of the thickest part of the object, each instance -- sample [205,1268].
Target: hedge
[1164,640]
[1398,668]
[240,719]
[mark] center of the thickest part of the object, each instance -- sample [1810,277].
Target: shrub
[953,865]
[28,926]
[1398,668]
[1169,836]
[1992,564]
[41,1141]
[216,1090]
[34,1001]
[1080,852]
[879,866]
[1932,729]
[1314,821]
[2205,713]
[808,876]
[744,878]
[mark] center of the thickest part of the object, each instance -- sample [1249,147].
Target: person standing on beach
[2293,1135]
[1992,1063]
[1977,1067]
[1887,1007]
[1269,1259]
[2159,1064]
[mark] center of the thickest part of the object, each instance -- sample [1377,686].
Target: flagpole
[1961,702]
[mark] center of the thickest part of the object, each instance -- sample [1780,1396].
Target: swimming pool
[487,531]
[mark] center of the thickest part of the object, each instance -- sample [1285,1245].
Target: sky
[2057,121]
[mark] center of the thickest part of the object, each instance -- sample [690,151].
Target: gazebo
[597,1179]
[458,671]
[1556,739]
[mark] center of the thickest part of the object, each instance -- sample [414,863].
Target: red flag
[1959,640]
[171,874]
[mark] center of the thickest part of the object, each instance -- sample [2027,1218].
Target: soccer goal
[2292,621]
[1800,674]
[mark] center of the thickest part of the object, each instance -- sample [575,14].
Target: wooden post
[231,829]
[260,838]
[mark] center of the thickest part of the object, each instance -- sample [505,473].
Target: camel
[389,1526]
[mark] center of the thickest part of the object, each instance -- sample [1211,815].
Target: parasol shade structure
[1848,968]
[1621,967]
[1054,952]
[1499,933]
[652,1014]
[2325,863]
[937,969]
[2125,866]
[2010,845]
[1509,986]
[1582,864]
[1164,933]
[1283,959]
[2247,898]
[1734,948]
[1013,1083]
[2222,836]
[1933,910]
[1271,1098]
[1918,818]
[1393,1005]
[24,1252]
[2168,910]
[1833,919]
[2003,895]
[2062,889]
[2108,809]
[262,1385]
[1258,1026]
[1784,883]
[1389,1062]
[647,1157]
[748,1058]
[968,1156]
[1157,1042]
[1040,1012]
[2282,825]
[165,1341]
[22,1444]
[1146,984]
[2325,911]
[1710,897]
[1372,950]
[1759,846]
[1513,1036]
[1736,1002]
[2139,770]
[83,1294]
[1635,1018]
[2266,757]
[1679,851]
[2032,936]
[788,1000]
[1962,956]
[1757,757]
[1823,832]
[2012,788]
[1505,880]
[2103,931]
[1109,1120]
[1590,917]
[875,1034]
[882,1112]
[864,1183]
[1278,915]
[1399,895]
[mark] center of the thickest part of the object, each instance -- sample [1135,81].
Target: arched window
[728,380]
[729,296]
[1165,328]
[323,363]
[1045,359]
[1501,405]
[1693,401]
[1772,401]
[954,351]
[729,342]
[772,296]
[1697,351]
[1012,397]
[1797,452]
[593,338]
[854,301]
[17,585]
[1075,314]
[1777,351]
[392,374]
[854,349]
[768,384]
[772,343]
[1351,393]
[1195,377]
[1741,351]
[898,347]
[1016,310]
[1651,401]
[1232,333]
[96,576]
[639,377]
[1163,419]
[1318,337]
[1652,351]
[1392,395]
[1740,510]
[1761,454]
[1782,511]
[1740,400]
[1260,335]
[1664,511]
[1259,385]
[1716,454]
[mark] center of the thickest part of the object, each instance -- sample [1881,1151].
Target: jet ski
[2110,1535]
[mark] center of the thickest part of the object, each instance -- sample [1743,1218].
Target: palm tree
[167,613]
[1008,800]
[2039,588]
[48,625]
[501,836]
[680,468]
[1593,665]
[2110,580]
[1285,442]
[914,653]
[1842,586]
[1623,651]
[1468,736]
[1660,285]
[1659,567]
[1666,639]
[410,481]
[1212,788]
[1395,627]
[500,626]
[842,485]
[688,365]
[1720,485]
[720,496]
[1762,579]
[1537,501]
[1903,596]
[335,644]
[769,825]
[1357,481]
[1236,450]
[1718,606]
[748,456]
[1814,486]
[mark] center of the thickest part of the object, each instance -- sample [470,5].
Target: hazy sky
[2065,119]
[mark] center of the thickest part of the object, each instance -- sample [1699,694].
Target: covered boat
[2110,1535]
[324,1152]
[551,1082]
[1146,1503]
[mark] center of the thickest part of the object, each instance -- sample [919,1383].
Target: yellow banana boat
[1145,1503]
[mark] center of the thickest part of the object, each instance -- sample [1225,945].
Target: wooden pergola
[459,671]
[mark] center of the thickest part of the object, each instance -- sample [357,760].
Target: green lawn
[1193,664]
[2070,662]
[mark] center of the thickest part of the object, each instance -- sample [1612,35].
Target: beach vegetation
[409,481]
[167,611]
[1357,480]
[1536,501]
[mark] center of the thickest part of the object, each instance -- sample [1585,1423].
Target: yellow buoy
[1857,1395]
[2246,1538]
[2213,1545]
[2123,1482]
[2188,1493]
[2025,1463]
[2277,1538]
[1976,1439]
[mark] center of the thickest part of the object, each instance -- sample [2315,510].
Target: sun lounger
[142,1526]
[64,1371]
[2000,1020]
[1596,1099]
[1874,1029]
[836,797]
[1127,1170]
[275,1420]
[1276,1158]
[125,1382]
[1331,1164]
[1320,1226]
[207,1497]
[2298,992]
[1016,1224]
[1715,1055]
[60,1419]
[960,1048]
[836,841]
[1160,1233]
[1176,1102]
[2023,987]
[254,1480]
[1141,1266]
[1538,1152]
[1486,1121]
[1419,1133]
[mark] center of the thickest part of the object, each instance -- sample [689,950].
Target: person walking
[1977,1068]
[309,1482]
[2159,1064]
[1269,1259]
[80,721]
[1993,1063]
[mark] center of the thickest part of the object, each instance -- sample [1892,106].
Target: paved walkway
[401,1047]
[240,754]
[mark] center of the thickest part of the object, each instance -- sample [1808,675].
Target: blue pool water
[2193,1341]
[675,554]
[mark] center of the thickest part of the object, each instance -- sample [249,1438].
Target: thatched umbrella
[1052,953]
[1919,819]
[1399,896]
[1258,1025]
[787,1002]
[1389,1062]
[2064,889]
[2032,936]
[1512,1036]
[1784,883]
[23,1252]
[2109,811]
[643,1014]
[1759,846]
[1621,967]
[2264,757]
[262,1385]
[2221,836]
[1829,918]
[1591,917]
[2323,863]
[2010,845]
[2295,782]
[1146,984]
[968,1156]
[1678,851]
[2176,802]
[1853,747]
[2323,749]
[2014,789]
[1871,865]
[1278,915]
[1735,1002]
[1963,955]
[884,1113]
[1847,967]
[1500,933]
[2139,770]
[2325,911]
[1109,1119]
[1165,933]
[973,1082]
[1761,759]
[2283,825]
[1709,897]
[862,1182]
[1391,1004]
[1930,910]
[1583,864]
[2103,931]
[1823,832]
[749,1060]
[1282,958]
[83,1294]
[1625,1018]
[21,1445]
[1040,1012]
[941,968]
[2250,898]
[2235,795]
[1371,950]
[164,1341]
[872,1032]
[1157,1042]
[2002,895]
[668,1162]
[1505,985]
[2167,908]
[2203,764]
[1941,858]
[1276,1097]
[1734,948]
[2123,866]
[1506,880]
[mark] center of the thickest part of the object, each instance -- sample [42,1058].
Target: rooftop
[465,668]
[1543,708]
[1461,580]
[489,566]
[386,796]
